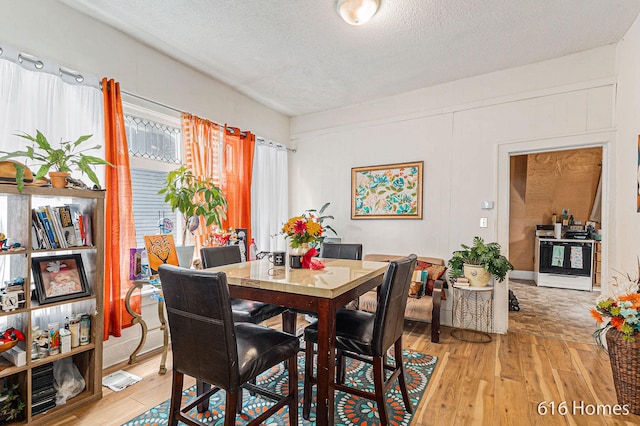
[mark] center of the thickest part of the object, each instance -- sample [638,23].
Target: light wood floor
[498,383]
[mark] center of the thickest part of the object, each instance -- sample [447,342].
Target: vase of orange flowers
[301,231]
[619,319]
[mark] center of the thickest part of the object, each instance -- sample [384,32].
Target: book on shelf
[39,240]
[81,224]
[53,216]
[60,227]
[66,223]
[48,227]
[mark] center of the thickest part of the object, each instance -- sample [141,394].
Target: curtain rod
[259,139]
[272,144]
[151,101]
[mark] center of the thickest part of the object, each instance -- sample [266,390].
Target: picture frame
[59,278]
[389,191]
[161,249]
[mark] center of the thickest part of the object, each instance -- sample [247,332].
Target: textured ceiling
[299,57]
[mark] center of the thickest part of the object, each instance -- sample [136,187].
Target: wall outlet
[484,222]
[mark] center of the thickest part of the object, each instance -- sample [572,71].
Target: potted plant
[58,162]
[11,405]
[194,197]
[321,219]
[479,262]
[307,230]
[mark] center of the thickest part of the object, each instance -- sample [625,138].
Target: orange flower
[634,298]
[617,322]
[596,315]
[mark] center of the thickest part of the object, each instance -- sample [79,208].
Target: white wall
[625,232]
[456,129]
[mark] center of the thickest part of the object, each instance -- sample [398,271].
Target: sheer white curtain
[41,97]
[269,195]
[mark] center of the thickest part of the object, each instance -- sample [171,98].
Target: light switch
[484,222]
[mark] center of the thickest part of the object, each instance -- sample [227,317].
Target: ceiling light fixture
[357,12]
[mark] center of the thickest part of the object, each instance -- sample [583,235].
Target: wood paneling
[543,184]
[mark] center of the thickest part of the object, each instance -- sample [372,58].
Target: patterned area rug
[350,409]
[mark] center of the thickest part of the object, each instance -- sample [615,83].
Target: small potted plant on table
[479,262]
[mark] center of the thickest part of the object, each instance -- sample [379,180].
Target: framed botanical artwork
[59,278]
[390,191]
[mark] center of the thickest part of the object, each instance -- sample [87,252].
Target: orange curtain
[237,168]
[119,228]
[202,140]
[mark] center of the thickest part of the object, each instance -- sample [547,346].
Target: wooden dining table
[322,291]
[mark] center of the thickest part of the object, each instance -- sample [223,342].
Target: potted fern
[479,262]
[194,198]
[57,162]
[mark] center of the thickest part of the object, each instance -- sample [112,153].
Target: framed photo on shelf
[59,278]
[390,191]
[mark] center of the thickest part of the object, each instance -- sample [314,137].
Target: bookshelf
[16,220]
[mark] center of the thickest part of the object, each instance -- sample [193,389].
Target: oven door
[565,258]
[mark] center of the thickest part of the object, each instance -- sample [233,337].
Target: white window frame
[150,112]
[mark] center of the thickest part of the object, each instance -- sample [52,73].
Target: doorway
[544,186]
[505,152]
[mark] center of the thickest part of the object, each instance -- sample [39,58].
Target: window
[153,140]
[155,147]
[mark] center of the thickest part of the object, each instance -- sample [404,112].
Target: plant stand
[472,313]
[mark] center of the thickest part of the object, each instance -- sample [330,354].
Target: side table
[137,319]
[472,313]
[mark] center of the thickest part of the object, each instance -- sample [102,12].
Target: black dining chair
[367,337]
[243,310]
[207,344]
[335,251]
[341,251]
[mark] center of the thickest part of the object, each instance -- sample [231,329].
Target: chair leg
[176,397]
[230,412]
[240,395]
[308,381]
[378,380]
[397,349]
[202,387]
[341,366]
[293,390]
[289,322]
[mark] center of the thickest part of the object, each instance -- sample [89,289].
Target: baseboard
[118,349]
[522,275]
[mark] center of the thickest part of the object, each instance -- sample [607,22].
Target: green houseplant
[484,257]
[194,197]
[11,405]
[60,159]
[307,228]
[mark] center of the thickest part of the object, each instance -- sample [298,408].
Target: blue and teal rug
[350,409]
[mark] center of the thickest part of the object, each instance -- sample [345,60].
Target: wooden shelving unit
[15,223]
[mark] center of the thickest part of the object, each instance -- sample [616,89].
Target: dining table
[322,291]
